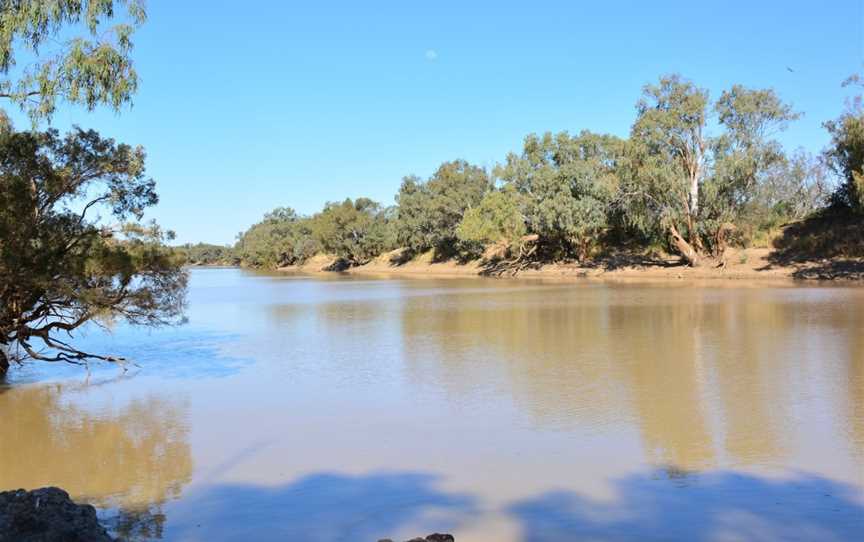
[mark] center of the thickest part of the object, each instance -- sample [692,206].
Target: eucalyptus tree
[845,154]
[430,212]
[745,156]
[73,247]
[76,51]
[62,264]
[283,237]
[695,189]
[568,184]
[353,230]
[669,161]
[414,228]
[499,218]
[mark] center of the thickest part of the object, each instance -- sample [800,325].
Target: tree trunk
[721,238]
[582,248]
[684,248]
[694,193]
[695,180]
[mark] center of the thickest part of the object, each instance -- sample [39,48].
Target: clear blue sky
[245,106]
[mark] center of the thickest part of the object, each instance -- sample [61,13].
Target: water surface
[353,409]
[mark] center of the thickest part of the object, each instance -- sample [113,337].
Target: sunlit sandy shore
[755,265]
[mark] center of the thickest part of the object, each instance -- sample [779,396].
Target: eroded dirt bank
[748,264]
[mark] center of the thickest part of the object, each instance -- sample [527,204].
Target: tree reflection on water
[130,459]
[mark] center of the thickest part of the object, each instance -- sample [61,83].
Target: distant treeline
[670,186]
[207,254]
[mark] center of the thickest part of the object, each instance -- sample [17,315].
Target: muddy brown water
[344,408]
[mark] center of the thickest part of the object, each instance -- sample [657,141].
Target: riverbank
[745,264]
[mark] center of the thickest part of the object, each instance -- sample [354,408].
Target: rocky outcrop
[50,515]
[47,515]
[436,537]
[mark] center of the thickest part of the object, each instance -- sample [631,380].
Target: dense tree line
[694,177]
[207,254]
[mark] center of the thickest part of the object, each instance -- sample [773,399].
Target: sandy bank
[749,264]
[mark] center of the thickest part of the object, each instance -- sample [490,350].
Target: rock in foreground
[47,515]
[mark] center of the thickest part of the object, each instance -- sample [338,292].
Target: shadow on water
[666,504]
[676,505]
[321,507]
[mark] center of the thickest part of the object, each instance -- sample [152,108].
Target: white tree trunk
[694,196]
[695,181]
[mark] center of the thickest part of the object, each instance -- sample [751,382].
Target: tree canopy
[355,231]
[499,218]
[695,188]
[77,51]
[282,238]
[669,151]
[62,263]
[846,152]
[567,184]
[73,245]
[429,212]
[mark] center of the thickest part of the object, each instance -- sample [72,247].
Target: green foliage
[429,212]
[497,219]
[794,188]
[282,238]
[90,70]
[355,231]
[667,161]
[671,185]
[741,186]
[568,184]
[61,266]
[845,155]
[698,191]
[206,254]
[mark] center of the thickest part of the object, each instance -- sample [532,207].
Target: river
[348,408]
